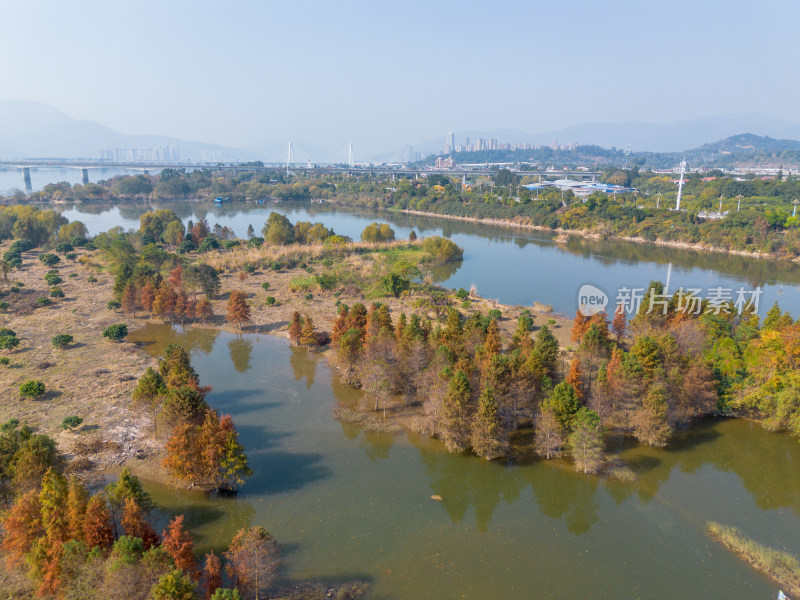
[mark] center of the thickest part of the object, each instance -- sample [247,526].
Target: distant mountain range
[37,130]
[742,150]
[642,137]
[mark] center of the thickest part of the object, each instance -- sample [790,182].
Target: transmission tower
[680,184]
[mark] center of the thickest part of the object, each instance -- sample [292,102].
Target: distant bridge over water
[25,165]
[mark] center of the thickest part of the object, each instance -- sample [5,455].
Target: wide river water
[512,265]
[347,504]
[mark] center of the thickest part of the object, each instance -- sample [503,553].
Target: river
[512,265]
[347,504]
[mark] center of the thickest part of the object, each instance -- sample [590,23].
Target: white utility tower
[350,162]
[680,184]
[290,158]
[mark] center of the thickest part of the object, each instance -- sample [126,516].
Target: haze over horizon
[383,76]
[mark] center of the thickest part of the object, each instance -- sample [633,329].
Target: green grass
[781,567]
[302,284]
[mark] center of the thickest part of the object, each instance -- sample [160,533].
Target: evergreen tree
[176,368]
[650,418]
[586,441]
[547,349]
[233,465]
[455,429]
[175,585]
[549,435]
[563,402]
[308,335]
[488,438]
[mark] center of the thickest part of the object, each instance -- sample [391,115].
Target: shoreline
[590,235]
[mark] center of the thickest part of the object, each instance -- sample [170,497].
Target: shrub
[79,240]
[64,247]
[462,294]
[276,266]
[4,305]
[308,297]
[255,242]
[32,389]
[377,232]
[71,422]
[52,278]
[7,342]
[116,333]
[249,268]
[22,245]
[113,305]
[73,274]
[84,260]
[185,247]
[62,340]
[228,244]
[270,300]
[56,292]
[394,285]
[70,256]
[326,281]
[495,314]
[327,263]
[91,279]
[7,331]
[4,360]
[43,301]
[442,249]
[209,243]
[48,259]
[265,286]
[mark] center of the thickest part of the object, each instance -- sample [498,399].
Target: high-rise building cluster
[492,144]
[151,154]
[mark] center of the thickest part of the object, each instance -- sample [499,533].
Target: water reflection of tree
[304,365]
[241,351]
[377,445]
[766,463]
[562,493]
[464,481]
[154,338]
[444,272]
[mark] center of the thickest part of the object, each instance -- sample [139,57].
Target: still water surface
[348,504]
[511,265]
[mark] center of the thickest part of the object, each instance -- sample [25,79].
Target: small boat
[782,596]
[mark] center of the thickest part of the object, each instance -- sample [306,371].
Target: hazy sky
[383,74]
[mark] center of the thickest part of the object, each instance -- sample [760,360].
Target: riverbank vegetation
[780,566]
[760,217]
